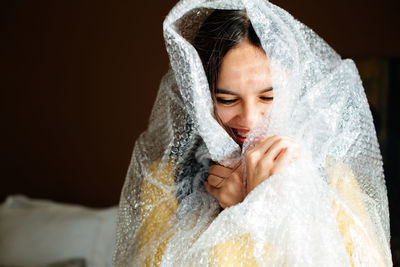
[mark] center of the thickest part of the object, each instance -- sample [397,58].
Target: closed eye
[266,98]
[226,101]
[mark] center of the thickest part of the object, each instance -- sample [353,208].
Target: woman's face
[244,89]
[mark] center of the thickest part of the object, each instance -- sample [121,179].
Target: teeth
[236,132]
[241,135]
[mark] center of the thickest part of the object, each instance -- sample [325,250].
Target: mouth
[240,134]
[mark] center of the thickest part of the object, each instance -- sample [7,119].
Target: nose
[251,114]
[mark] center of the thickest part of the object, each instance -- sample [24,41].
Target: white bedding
[37,232]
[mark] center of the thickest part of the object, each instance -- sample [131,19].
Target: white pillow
[39,232]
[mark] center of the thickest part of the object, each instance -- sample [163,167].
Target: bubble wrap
[328,208]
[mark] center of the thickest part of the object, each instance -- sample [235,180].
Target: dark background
[78,80]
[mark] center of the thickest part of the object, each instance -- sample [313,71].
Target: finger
[210,189]
[238,173]
[267,143]
[235,178]
[220,171]
[276,148]
[238,168]
[255,154]
[281,161]
[264,145]
[215,181]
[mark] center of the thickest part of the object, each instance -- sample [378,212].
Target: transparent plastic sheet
[327,208]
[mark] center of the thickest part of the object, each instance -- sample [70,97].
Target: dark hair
[220,32]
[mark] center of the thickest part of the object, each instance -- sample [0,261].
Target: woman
[260,150]
[240,82]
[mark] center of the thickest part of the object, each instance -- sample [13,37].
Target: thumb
[239,169]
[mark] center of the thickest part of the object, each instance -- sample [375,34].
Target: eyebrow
[227,92]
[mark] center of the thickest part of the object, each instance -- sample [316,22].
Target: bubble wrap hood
[329,208]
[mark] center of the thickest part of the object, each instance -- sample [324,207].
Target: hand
[269,157]
[226,185]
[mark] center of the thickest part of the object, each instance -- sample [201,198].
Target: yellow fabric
[160,214]
[237,251]
[346,185]
[241,247]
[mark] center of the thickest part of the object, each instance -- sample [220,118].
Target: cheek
[264,108]
[226,114]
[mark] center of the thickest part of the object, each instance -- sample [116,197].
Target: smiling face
[244,89]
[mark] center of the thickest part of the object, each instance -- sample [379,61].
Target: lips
[240,134]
